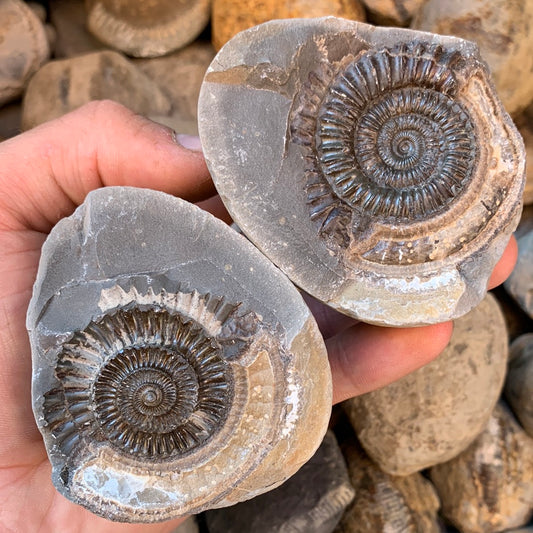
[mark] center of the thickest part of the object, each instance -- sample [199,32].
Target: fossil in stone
[375,166]
[147,29]
[175,369]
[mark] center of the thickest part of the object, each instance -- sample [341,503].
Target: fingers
[505,265]
[46,172]
[365,357]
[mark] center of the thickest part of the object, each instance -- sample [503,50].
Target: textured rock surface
[180,76]
[174,368]
[434,413]
[387,186]
[525,127]
[232,16]
[519,381]
[312,501]
[503,30]
[393,12]
[61,86]
[147,29]
[489,487]
[520,283]
[72,36]
[23,47]
[387,503]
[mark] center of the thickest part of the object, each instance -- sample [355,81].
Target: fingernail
[191,142]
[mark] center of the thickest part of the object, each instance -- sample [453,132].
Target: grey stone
[489,486]
[519,381]
[23,47]
[311,501]
[395,231]
[520,283]
[387,503]
[434,413]
[189,526]
[174,368]
[63,85]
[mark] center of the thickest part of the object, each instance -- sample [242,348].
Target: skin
[44,174]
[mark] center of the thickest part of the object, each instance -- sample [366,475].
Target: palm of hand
[44,174]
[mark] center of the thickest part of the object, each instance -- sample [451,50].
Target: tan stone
[489,486]
[393,12]
[519,381]
[68,17]
[387,503]
[63,85]
[180,75]
[434,413]
[525,127]
[23,47]
[503,30]
[147,29]
[232,16]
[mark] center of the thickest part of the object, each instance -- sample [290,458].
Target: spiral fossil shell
[375,166]
[175,369]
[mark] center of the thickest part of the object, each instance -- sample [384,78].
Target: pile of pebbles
[447,448]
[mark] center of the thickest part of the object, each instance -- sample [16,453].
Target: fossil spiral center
[150,382]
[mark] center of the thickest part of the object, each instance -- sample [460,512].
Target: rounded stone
[434,413]
[520,283]
[23,47]
[519,381]
[175,369]
[375,166]
[147,29]
[503,31]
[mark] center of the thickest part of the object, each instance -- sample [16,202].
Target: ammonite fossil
[147,29]
[375,166]
[175,368]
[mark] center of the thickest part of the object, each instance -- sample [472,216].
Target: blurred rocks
[180,75]
[434,413]
[392,12]
[386,503]
[189,526]
[23,47]
[68,17]
[147,29]
[229,17]
[520,283]
[502,29]
[489,487]
[519,381]
[63,85]
[10,119]
[312,501]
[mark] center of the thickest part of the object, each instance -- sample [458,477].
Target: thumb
[46,172]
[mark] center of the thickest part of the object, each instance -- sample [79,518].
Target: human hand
[44,174]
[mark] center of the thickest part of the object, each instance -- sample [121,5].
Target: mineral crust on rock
[434,413]
[174,368]
[23,47]
[519,381]
[311,501]
[489,487]
[63,85]
[147,29]
[375,166]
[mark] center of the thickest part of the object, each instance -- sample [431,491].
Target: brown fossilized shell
[147,29]
[175,369]
[375,166]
